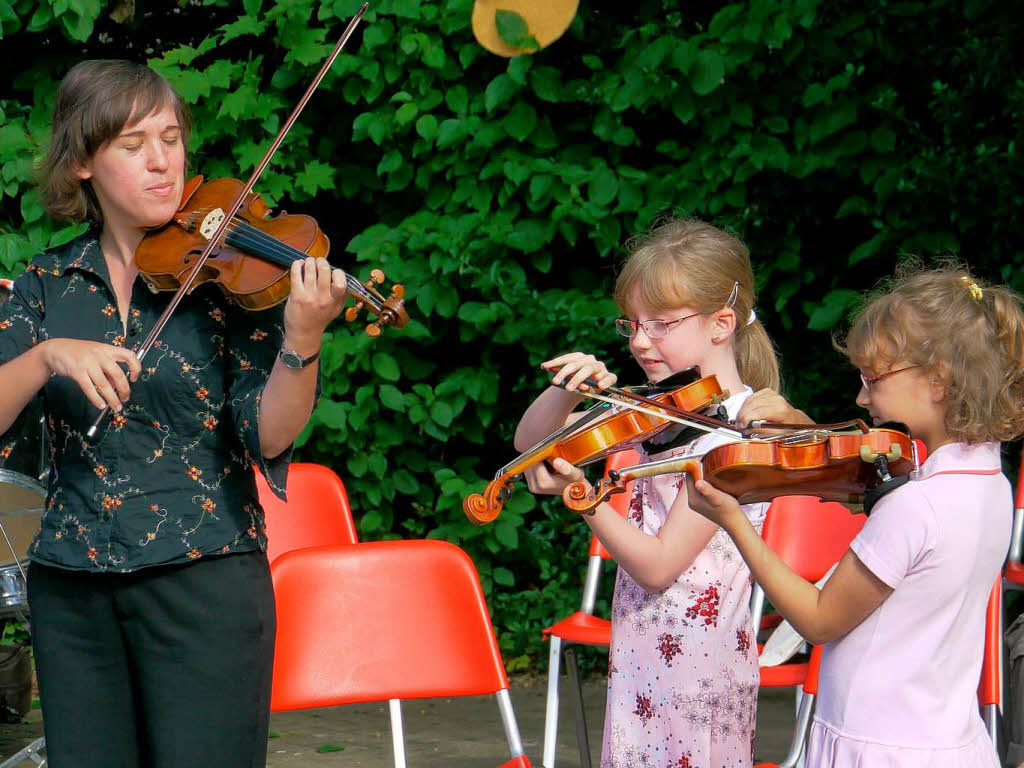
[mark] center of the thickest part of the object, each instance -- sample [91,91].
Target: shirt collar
[961,456]
[81,253]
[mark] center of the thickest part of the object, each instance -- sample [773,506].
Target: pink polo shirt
[900,689]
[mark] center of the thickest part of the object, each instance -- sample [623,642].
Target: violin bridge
[210,222]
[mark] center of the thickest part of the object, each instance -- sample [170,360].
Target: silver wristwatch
[293,359]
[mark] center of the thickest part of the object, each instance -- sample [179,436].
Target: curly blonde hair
[969,332]
[688,262]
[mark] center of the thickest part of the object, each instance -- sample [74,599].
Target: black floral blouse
[168,479]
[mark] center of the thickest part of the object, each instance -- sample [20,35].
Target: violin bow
[222,227]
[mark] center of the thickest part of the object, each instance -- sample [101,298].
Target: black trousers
[166,667]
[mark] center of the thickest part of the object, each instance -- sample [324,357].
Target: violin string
[577,425]
[244,234]
[664,415]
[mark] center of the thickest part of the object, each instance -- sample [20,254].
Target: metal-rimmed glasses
[655,329]
[867,381]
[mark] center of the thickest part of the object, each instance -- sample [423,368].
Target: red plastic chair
[317,512]
[990,689]
[386,620]
[810,537]
[581,628]
[1014,571]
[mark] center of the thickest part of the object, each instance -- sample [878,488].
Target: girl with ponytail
[683,675]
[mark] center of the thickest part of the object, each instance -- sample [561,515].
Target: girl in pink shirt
[904,614]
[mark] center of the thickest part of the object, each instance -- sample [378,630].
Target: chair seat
[783,675]
[582,628]
[1014,572]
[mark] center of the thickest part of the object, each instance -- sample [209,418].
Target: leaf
[603,187]
[506,534]
[441,413]
[498,91]
[520,121]
[386,367]
[391,397]
[314,176]
[832,308]
[512,29]
[503,576]
[406,113]
[707,72]
[866,250]
[426,127]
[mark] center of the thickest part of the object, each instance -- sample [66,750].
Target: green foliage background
[833,137]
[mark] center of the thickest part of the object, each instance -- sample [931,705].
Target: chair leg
[581,718]
[508,721]
[551,711]
[397,731]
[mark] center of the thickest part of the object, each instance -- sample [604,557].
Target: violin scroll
[577,498]
[483,508]
[389,311]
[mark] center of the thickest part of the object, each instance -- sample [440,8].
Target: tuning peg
[373,330]
[351,313]
[376,276]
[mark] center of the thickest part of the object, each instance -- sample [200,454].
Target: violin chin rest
[873,496]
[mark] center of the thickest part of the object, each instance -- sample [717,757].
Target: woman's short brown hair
[96,99]
[969,332]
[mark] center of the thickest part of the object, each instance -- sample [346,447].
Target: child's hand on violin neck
[317,297]
[539,479]
[574,368]
[717,506]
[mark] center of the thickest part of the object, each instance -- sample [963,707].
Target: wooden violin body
[616,432]
[832,466]
[252,265]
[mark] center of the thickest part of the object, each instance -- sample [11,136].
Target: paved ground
[454,733]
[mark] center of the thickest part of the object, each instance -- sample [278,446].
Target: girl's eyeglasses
[867,381]
[655,329]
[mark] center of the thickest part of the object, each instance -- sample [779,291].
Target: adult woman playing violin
[149,591]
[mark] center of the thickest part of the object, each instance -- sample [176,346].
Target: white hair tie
[753,316]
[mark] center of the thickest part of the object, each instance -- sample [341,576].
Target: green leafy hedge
[832,136]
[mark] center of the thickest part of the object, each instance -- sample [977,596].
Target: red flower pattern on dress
[683,761]
[210,422]
[193,554]
[636,508]
[118,341]
[643,710]
[202,392]
[5,452]
[194,472]
[258,335]
[705,607]
[5,325]
[118,420]
[669,647]
[111,502]
[742,640]
[100,470]
[92,553]
[109,310]
[208,505]
[217,315]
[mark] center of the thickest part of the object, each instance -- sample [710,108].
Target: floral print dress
[682,666]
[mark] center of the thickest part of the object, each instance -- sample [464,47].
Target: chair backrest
[810,535]
[381,620]
[620,501]
[317,512]
[990,686]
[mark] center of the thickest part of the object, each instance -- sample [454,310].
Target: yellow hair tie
[976,292]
